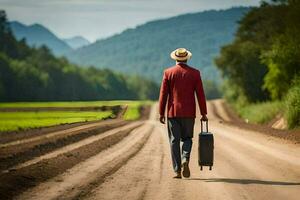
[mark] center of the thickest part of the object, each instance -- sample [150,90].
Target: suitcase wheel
[210,167]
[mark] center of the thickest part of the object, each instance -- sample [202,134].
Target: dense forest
[263,61]
[35,74]
[145,50]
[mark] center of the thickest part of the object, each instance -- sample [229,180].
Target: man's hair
[184,61]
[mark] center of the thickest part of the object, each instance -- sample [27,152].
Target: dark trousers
[180,129]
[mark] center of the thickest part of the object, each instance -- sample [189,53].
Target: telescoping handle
[202,126]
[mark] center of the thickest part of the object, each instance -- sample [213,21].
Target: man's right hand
[204,118]
[162,119]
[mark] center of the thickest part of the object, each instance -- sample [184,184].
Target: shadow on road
[244,181]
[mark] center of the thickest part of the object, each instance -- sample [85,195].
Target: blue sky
[96,19]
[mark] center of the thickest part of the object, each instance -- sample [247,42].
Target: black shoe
[178,175]
[186,170]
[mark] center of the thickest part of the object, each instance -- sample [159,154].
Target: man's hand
[162,119]
[204,118]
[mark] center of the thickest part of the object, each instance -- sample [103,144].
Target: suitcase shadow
[243,181]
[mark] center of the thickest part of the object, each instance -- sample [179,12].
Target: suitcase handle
[202,126]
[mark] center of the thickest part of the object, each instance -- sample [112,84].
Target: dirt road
[135,164]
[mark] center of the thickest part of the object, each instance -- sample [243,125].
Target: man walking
[178,88]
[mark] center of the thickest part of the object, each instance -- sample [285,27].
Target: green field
[14,121]
[70,104]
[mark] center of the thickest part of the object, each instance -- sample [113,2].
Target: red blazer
[180,83]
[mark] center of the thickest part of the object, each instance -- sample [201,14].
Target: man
[178,88]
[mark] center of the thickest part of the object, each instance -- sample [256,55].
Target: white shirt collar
[177,63]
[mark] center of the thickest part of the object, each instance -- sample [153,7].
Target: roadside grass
[260,113]
[292,100]
[13,121]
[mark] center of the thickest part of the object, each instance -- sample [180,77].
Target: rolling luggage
[205,148]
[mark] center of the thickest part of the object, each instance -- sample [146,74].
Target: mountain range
[38,35]
[145,50]
[77,42]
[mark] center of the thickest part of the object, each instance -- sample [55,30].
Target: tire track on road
[34,139]
[250,138]
[13,155]
[135,178]
[77,145]
[37,171]
[79,180]
[245,174]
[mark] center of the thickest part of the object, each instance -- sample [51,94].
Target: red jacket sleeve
[163,96]
[200,95]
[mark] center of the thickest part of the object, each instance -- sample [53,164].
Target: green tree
[283,59]
[264,56]
[6,77]
[239,62]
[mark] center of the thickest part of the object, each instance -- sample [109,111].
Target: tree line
[263,61]
[35,74]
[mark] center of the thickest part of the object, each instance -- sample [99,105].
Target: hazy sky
[96,19]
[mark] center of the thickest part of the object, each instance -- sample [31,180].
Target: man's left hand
[162,119]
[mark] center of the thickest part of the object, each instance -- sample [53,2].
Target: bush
[292,102]
[260,113]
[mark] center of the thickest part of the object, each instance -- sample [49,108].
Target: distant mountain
[145,49]
[77,42]
[38,35]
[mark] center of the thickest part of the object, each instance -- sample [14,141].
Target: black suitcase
[205,148]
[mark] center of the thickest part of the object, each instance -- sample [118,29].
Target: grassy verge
[260,113]
[288,107]
[13,121]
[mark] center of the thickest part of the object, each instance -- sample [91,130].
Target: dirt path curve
[248,165]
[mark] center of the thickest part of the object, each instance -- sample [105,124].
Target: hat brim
[187,57]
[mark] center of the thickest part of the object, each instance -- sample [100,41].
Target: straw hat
[181,54]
